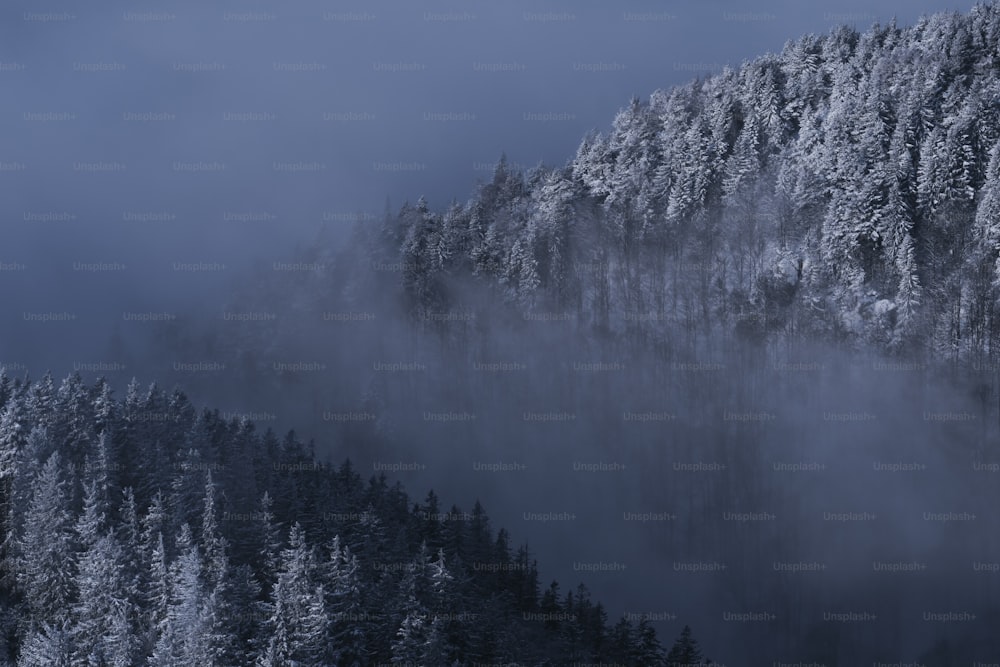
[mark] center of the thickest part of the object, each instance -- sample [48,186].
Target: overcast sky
[150,138]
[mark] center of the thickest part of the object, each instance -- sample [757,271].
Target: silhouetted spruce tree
[685,651]
[646,649]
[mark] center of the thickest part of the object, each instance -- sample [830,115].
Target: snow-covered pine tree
[47,646]
[269,541]
[298,626]
[103,613]
[185,638]
[349,620]
[45,547]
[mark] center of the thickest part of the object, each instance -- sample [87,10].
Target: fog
[160,166]
[827,487]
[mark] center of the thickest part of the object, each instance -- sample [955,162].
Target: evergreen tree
[345,604]
[19,488]
[14,429]
[298,626]
[185,638]
[47,646]
[103,614]
[647,649]
[156,595]
[213,545]
[412,636]
[685,650]
[270,543]
[46,547]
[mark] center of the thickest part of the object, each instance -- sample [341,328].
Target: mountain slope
[144,532]
[846,189]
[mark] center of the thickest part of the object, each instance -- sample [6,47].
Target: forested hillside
[846,189]
[845,192]
[147,532]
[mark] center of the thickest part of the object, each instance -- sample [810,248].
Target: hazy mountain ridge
[845,191]
[699,266]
